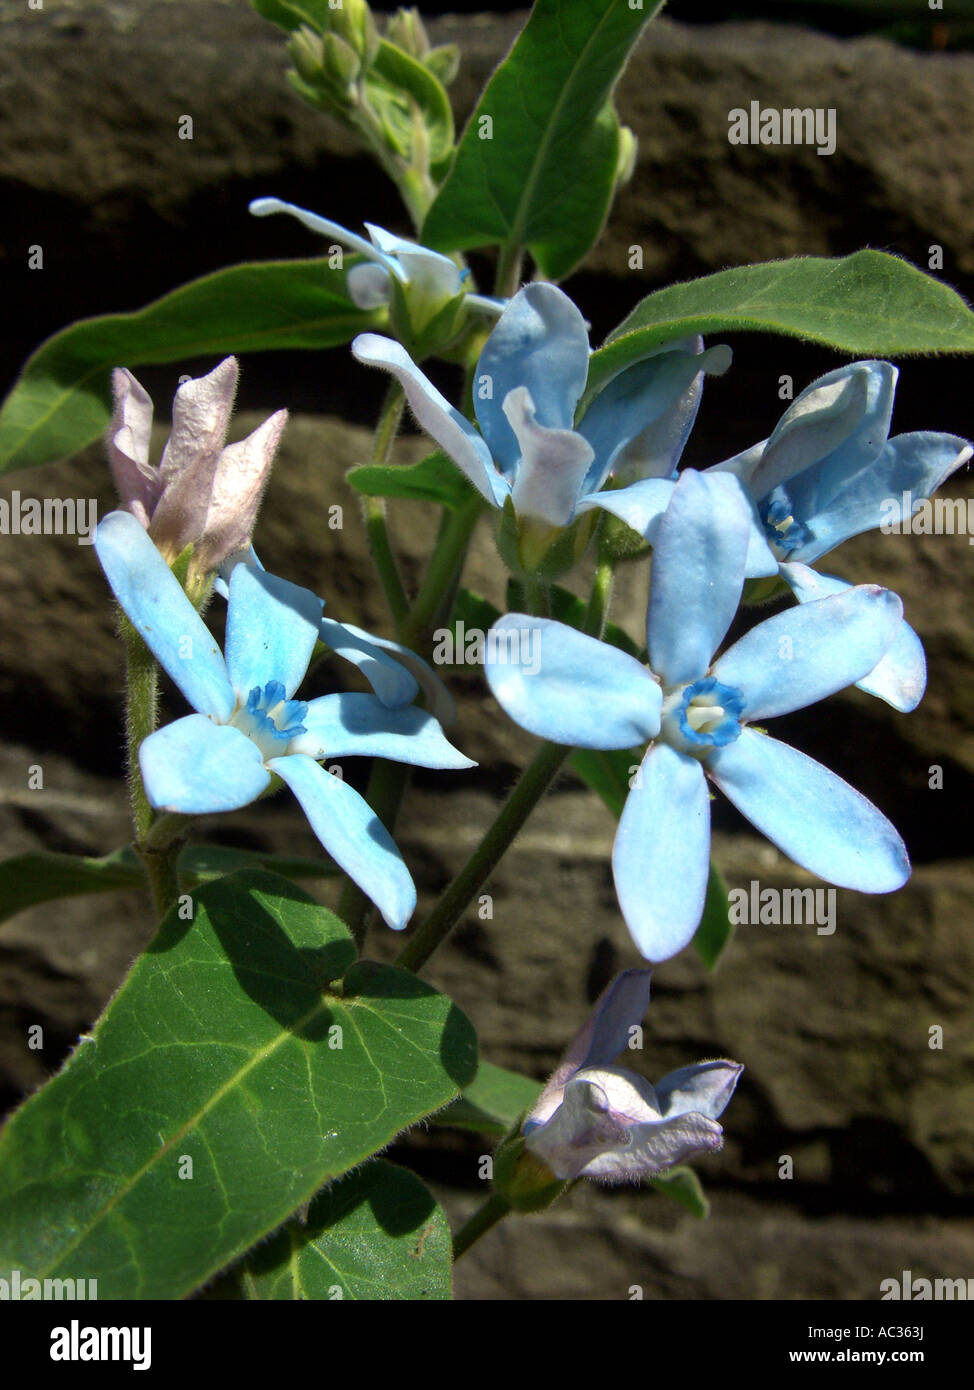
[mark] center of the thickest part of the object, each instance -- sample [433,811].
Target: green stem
[374,508]
[158,840]
[377,533]
[141,702]
[600,599]
[445,563]
[508,275]
[485,1217]
[162,873]
[534,781]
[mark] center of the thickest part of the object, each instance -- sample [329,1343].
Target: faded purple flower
[204,492]
[594,1120]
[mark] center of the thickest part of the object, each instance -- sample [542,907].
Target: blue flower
[433,279]
[528,382]
[249,726]
[699,713]
[395,673]
[829,471]
[594,1120]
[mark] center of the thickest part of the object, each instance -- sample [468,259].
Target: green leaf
[715,929]
[375,1234]
[200,863]
[868,304]
[607,773]
[62,400]
[492,1103]
[221,1048]
[435,478]
[544,179]
[27,880]
[682,1185]
[291,14]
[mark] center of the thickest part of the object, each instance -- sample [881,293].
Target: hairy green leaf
[375,1234]
[536,165]
[62,399]
[869,304]
[227,1081]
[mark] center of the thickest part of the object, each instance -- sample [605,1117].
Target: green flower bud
[305,50]
[628,149]
[341,66]
[524,1182]
[443,62]
[352,21]
[406,31]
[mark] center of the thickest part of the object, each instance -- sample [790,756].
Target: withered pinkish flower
[596,1120]
[204,492]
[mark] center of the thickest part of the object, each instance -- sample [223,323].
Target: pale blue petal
[368,285]
[698,574]
[163,616]
[272,628]
[648,393]
[845,412]
[761,561]
[853,493]
[814,817]
[564,686]
[640,505]
[388,678]
[357,725]
[353,835]
[809,652]
[441,703]
[264,207]
[441,421]
[661,856]
[703,1089]
[427,271]
[742,465]
[198,767]
[553,463]
[221,581]
[900,678]
[540,342]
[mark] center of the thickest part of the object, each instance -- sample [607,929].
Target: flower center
[270,720]
[784,533]
[702,716]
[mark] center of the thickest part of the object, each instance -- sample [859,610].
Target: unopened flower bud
[352,21]
[407,32]
[443,62]
[340,64]
[628,150]
[305,50]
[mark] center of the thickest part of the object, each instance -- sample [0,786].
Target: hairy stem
[482,1220]
[534,781]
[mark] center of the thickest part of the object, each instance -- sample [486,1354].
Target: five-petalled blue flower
[528,382]
[249,726]
[697,713]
